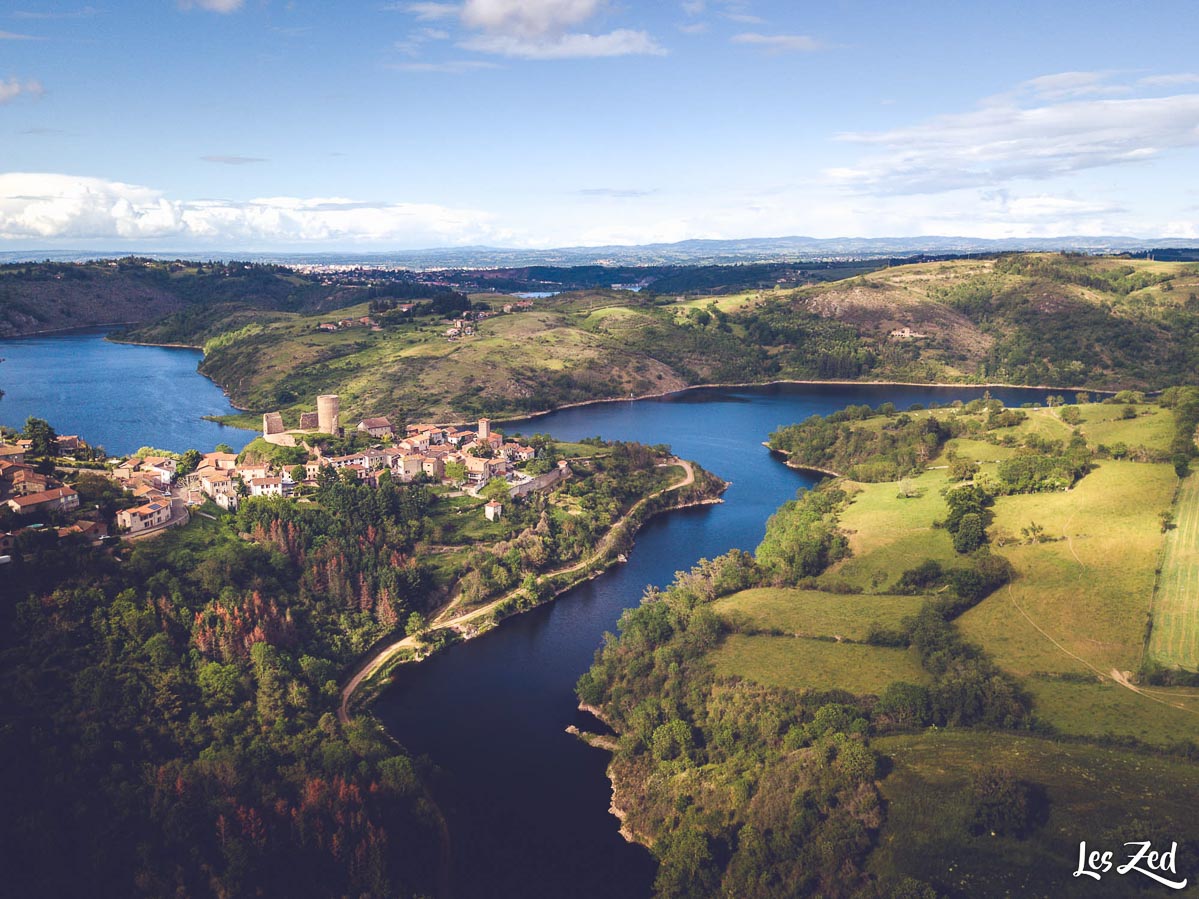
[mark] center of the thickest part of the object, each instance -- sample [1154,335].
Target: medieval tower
[328,411]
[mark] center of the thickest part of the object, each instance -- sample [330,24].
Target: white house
[376,427]
[143,518]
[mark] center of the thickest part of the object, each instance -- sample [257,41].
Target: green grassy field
[1094,708]
[1152,428]
[1081,601]
[1078,606]
[800,663]
[1099,794]
[1175,636]
[888,535]
[814,613]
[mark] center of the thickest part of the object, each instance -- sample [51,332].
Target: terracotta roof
[376,423]
[46,496]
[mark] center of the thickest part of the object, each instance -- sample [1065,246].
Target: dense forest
[175,699]
[745,790]
[175,703]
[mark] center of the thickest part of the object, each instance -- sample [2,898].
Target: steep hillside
[1028,319]
[1100,323]
[1076,321]
[46,296]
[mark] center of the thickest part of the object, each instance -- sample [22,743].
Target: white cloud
[780,43]
[1005,140]
[622,42]
[530,29]
[44,207]
[415,42]
[1174,80]
[744,18]
[447,66]
[528,18]
[220,6]
[616,193]
[428,11]
[1071,85]
[81,13]
[13,87]
[13,36]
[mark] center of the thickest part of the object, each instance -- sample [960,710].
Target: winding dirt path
[446,619]
[1114,674]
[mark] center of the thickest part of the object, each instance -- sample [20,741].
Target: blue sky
[272,125]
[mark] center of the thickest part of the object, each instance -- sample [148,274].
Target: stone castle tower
[328,411]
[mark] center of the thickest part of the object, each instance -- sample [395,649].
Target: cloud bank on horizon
[538,123]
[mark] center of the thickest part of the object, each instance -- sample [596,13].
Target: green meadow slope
[955,665]
[1025,319]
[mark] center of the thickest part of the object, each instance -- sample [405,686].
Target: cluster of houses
[364,322]
[149,481]
[28,492]
[423,451]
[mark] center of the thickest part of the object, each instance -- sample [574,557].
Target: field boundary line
[1158,572]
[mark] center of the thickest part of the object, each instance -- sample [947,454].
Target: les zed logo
[1143,860]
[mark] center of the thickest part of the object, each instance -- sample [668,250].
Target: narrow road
[385,653]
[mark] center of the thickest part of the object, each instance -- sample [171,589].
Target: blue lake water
[527,803]
[118,396]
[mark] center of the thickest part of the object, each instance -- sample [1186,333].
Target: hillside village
[27,493]
[465,459]
[157,490]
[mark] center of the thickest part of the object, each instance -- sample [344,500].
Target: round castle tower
[328,411]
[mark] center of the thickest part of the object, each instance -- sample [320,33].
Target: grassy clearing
[888,535]
[1098,794]
[1153,427]
[800,663]
[814,613]
[1089,590]
[979,450]
[1106,709]
[732,302]
[1175,636]
[1078,606]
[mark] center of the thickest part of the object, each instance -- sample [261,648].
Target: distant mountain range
[687,252]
